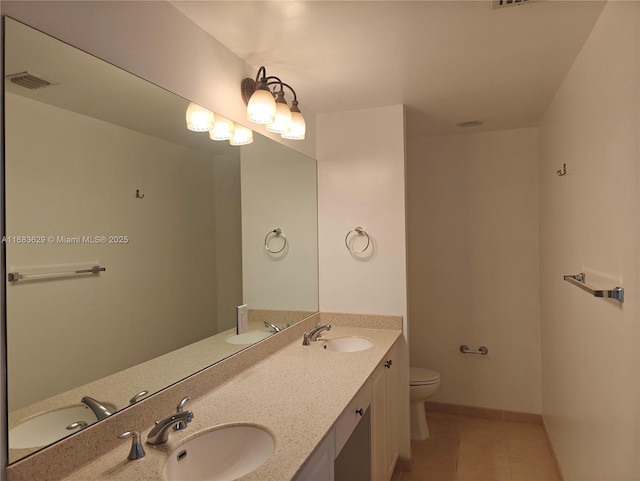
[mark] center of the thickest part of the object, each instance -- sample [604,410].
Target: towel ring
[360,231]
[278,233]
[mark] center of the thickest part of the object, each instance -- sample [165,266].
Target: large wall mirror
[101,173]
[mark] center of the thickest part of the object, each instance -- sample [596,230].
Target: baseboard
[553,452]
[487,413]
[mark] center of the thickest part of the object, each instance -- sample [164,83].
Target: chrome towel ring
[360,231]
[270,235]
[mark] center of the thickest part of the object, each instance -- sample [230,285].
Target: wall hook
[563,171]
[138,195]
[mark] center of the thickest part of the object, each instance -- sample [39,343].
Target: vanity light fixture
[199,119]
[222,129]
[265,106]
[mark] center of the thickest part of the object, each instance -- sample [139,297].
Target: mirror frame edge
[4,424]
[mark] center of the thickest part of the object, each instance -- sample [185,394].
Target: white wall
[228,243]
[361,182]
[279,191]
[79,178]
[589,223]
[473,266]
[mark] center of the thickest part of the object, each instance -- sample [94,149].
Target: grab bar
[579,280]
[482,350]
[16,276]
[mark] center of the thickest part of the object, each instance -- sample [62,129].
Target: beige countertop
[296,394]
[152,376]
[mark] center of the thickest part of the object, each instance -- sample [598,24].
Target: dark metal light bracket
[247,87]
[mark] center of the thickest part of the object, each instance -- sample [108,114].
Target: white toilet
[422,384]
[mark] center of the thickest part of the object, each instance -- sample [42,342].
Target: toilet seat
[422,377]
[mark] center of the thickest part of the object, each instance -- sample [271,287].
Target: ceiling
[446,61]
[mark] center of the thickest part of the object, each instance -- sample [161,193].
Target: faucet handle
[180,408]
[137,451]
[77,424]
[137,397]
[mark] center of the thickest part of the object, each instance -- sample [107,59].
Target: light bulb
[298,127]
[222,129]
[261,108]
[199,119]
[282,121]
[241,136]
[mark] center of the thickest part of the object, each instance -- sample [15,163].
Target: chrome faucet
[160,432]
[307,337]
[272,326]
[179,409]
[99,409]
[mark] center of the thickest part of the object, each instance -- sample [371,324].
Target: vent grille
[506,3]
[30,80]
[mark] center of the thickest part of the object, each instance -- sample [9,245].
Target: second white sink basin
[48,427]
[221,454]
[347,344]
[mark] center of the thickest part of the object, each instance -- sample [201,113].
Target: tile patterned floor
[464,448]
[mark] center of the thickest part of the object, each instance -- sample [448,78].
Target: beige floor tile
[444,458]
[533,470]
[479,461]
[529,441]
[432,475]
[467,448]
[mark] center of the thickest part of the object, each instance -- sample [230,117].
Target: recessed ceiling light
[470,123]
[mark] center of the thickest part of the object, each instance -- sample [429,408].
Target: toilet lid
[420,377]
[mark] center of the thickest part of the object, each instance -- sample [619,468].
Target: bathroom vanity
[372,453]
[307,398]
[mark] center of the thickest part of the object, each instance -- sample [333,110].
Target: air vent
[507,3]
[30,80]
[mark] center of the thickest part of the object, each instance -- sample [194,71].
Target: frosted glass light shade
[298,128]
[199,119]
[241,136]
[222,129]
[282,122]
[261,108]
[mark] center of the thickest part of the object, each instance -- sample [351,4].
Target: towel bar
[579,280]
[16,276]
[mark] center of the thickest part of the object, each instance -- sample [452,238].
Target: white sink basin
[48,427]
[347,344]
[222,454]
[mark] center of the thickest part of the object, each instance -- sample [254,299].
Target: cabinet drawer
[351,416]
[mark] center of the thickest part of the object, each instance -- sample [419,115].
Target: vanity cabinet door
[393,388]
[384,405]
[379,416]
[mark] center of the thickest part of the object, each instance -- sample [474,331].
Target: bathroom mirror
[130,240]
